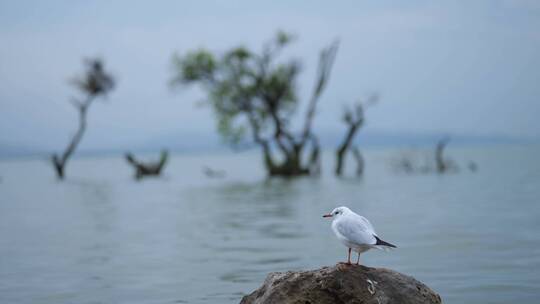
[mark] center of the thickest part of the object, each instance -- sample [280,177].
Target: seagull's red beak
[327,215]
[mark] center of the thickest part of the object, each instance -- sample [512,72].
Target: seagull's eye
[336,213]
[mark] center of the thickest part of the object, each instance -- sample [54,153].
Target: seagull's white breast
[354,231]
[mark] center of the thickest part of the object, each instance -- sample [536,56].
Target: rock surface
[342,284]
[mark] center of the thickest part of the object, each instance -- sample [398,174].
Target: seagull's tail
[383,248]
[380,244]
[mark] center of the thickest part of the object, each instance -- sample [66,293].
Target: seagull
[355,232]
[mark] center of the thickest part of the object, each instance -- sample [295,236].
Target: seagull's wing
[356,229]
[366,223]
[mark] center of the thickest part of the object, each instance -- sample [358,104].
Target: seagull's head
[336,213]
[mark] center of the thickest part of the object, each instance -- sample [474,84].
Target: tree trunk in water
[339,160]
[359,161]
[439,158]
[340,154]
[292,164]
[59,162]
[58,166]
[289,168]
[314,158]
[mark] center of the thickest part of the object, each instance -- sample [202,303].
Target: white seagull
[355,232]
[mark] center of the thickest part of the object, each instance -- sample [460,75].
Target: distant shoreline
[224,150]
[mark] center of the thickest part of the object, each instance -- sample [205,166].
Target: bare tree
[354,119]
[149,168]
[252,92]
[93,84]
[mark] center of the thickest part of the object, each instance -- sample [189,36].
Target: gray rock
[342,284]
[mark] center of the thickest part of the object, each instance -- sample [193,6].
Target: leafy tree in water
[254,94]
[93,84]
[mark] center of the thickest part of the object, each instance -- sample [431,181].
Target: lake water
[102,237]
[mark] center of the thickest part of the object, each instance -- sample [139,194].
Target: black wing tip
[383,243]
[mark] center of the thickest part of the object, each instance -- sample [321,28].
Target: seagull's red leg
[349,257]
[358,260]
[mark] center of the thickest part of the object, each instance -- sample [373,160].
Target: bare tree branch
[354,118]
[326,61]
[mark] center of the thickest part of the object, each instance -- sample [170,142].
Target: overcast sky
[458,67]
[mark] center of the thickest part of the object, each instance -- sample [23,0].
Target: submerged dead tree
[427,162]
[354,119]
[253,92]
[442,164]
[147,168]
[93,84]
